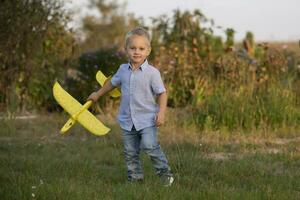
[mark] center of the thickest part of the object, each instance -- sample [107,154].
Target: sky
[269,20]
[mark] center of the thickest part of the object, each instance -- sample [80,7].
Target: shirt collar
[142,67]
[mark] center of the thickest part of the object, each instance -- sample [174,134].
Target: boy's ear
[149,51]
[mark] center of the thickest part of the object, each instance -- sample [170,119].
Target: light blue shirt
[139,89]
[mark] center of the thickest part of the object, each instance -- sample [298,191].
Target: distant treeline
[225,84]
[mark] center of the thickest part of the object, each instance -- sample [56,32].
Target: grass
[39,163]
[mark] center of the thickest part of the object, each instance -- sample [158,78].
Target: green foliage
[34,47]
[109,29]
[182,47]
[229,37]
[226,85]
[83,82]
[241,109]
[250,38]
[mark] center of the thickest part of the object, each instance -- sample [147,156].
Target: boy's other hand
[93,97]
[160,118]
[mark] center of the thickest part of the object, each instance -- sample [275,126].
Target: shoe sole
[170,182]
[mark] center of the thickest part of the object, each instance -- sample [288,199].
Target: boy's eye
[135,48]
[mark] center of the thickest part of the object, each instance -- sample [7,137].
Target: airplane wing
[82,115]
[101,78]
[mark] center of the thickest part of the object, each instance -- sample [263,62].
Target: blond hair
[140,31]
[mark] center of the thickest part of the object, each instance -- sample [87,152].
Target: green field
[39,163]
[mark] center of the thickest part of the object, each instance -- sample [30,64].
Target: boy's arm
[162,99]
[106,88]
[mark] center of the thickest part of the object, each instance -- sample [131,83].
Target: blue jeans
[145,140]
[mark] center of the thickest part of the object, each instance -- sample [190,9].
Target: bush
[241,109]
[34,46]
[83,82]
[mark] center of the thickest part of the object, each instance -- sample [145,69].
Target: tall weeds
[249,86]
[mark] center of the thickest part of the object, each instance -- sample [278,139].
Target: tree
[33,46]
[229,38]
[109,29]
[183,46]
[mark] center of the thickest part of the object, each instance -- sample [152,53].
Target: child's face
[138,49]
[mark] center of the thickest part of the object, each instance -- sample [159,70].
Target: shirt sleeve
[116,79]
[157,83]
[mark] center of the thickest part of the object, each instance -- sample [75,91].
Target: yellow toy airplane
[101,78]
[80,113]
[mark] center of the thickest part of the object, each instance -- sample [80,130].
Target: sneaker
[167,180]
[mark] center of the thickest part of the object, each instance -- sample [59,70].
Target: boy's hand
[93,97]
[160,118]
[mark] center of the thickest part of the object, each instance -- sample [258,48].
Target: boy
[139,114]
